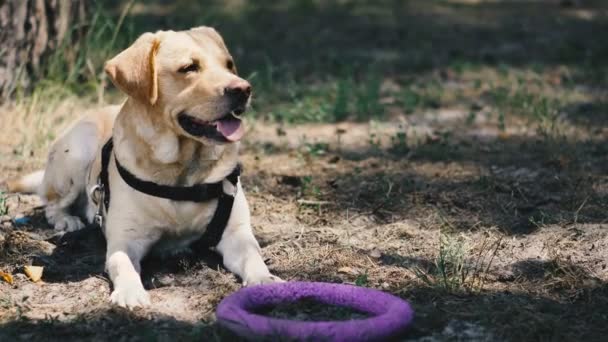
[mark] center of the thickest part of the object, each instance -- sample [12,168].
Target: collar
[196,193]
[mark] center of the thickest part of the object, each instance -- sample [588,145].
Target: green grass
[77,69]
[421,96]
[335,100]
[312,72]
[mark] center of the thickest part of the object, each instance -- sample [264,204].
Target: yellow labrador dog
[170,170]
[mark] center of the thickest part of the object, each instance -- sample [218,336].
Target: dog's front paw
[68,224]
[130,296]
[262,279]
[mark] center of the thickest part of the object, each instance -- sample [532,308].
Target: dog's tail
[26,184]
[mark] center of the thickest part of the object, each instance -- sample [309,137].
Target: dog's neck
[150,149]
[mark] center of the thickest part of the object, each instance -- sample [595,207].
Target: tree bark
[30,30]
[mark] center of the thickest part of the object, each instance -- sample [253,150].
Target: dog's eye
[194,67]
[229,64]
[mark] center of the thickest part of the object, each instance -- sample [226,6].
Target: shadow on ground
[316,39]
[514,183]
[438,314]
[80,255]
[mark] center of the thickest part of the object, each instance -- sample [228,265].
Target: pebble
[163,281]
[375,253]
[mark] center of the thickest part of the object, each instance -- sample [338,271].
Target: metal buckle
[230,193]
[98,218]
[97,196]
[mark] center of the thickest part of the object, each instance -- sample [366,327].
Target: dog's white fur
[149,142]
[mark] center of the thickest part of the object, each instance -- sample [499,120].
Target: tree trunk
[30,30]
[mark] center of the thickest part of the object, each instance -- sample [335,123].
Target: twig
[579,209]
[311,202]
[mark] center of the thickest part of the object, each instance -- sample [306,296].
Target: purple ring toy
[390,315]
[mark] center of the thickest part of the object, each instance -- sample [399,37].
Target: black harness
[195,193]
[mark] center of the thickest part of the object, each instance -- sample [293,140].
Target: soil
[531,231]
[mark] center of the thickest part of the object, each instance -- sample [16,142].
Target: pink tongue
[231,129]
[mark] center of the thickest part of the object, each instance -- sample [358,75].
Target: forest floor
[464,169]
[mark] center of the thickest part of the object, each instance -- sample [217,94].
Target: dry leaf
[503,135]
[7,277]
[34,272]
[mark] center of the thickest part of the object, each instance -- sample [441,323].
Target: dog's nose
[238,88]
[238,92]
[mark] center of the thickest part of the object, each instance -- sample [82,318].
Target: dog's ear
[134,70]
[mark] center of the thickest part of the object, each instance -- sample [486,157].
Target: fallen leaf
[34,272]
[7,277]
[503,135]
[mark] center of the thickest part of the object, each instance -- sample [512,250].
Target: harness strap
[215,229]
[195,193]
[106,153]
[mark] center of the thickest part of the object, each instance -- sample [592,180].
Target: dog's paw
[90,213]
[262,279]
[130,296]
[68,224]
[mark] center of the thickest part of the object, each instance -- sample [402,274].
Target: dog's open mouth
[228,128]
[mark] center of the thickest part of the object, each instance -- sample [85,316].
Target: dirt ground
[493,226]
[532,236]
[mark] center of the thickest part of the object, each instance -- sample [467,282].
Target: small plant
[374,142]
[457,267]
[368,99]
[316,149]
[340,109]
[308,188]
[411,100]
[3,205]
[399,143]
[451,267]
[471,118]
[362,280]
[502,126]
[549,126]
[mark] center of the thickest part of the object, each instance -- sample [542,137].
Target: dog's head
[189,79]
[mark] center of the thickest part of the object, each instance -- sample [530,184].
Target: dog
[177,134]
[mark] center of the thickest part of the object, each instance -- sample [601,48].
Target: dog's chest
[192,216]
[186,224]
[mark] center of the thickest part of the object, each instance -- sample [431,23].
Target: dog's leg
[239,248]
[58,214]
[123,265]
[65,175]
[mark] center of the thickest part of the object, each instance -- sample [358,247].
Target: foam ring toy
[389,315]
